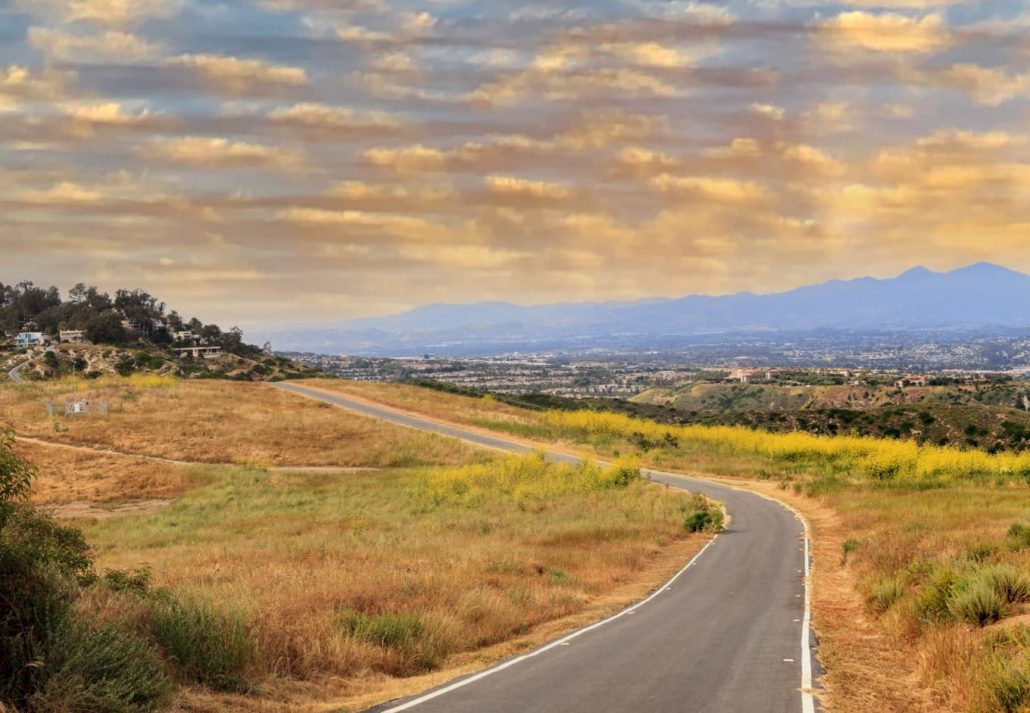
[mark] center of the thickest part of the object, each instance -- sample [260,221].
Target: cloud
[464,257]
[19,85]
[512,186]
[109,46]
[989,86]
[218,153]
[234,75]
[885,32]
[63,193]
[407,158]
[107,13]
[719,189]
[335,120]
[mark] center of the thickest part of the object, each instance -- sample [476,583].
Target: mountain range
[975,297]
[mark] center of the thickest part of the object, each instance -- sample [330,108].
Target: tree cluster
[102,317]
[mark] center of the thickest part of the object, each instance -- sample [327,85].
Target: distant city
[832,357]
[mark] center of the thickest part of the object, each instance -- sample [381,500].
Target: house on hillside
[31,339]
[72,336]
[911,381]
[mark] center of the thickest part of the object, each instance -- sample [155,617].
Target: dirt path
[191,464]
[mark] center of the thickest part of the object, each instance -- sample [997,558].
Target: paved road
[728,635]
[15,373]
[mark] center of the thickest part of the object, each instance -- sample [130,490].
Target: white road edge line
[560,642]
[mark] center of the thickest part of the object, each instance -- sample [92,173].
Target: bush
[41,567]
[405,634]
[103,670]
[884,592]
[705,517]
[208,645]
[977,603]
[1019,536]
[1007,582]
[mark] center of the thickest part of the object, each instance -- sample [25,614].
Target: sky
[262,162]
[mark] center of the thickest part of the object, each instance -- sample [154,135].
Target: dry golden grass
[317,559]
[221,422]
[67,475]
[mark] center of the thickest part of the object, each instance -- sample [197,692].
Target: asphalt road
[15,373]
[729,634]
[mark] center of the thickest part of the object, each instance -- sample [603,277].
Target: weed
[209,645]
[847,546]
[884,592]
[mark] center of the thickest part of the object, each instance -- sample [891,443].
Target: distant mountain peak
[916,273]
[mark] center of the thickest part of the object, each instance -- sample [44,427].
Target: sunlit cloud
[222,153]
[886,32]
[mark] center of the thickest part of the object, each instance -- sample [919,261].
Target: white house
[31,339]
[74,336]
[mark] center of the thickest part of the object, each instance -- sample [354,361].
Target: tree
[106,328]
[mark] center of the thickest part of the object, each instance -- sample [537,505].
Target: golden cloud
[719,189]
[407,158]
[512,186]
[202,152]
[334,119]
[109,13]
[234,75]
[989,86]
[885,32]
[19,85]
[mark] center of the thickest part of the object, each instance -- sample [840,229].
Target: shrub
[884,592]
[1007,582]
[208,645]
[102,670]
[976,603]
[934,595]
[704,517]
[403,633]
[1019,536]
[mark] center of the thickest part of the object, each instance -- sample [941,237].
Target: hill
[92,334]
[971,298]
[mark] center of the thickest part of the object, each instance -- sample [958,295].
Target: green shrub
[103,670]
[704,520]
[1007,582]
[208,645]
[932,601]
[1019,536]
[389,630]
[976,603]
[884,592]
[405,634]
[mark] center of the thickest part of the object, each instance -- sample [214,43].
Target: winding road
[730,633]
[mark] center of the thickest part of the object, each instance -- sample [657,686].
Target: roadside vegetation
[934,540]
[264,589]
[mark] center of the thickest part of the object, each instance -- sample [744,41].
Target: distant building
[72,336]
[31,339]
[911,381]
[198,351]
[185,336]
